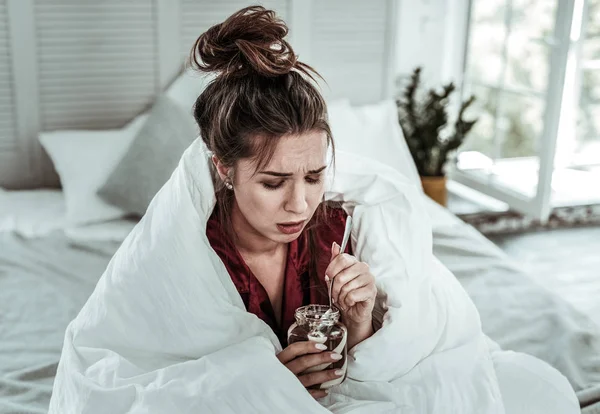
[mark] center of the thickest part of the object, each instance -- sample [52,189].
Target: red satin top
[298,289]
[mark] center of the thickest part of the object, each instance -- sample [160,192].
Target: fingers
[339,263]
[362,294]
[299,348]
[358,282]
[318,393]
[346,275]
[314,378]
[305,362]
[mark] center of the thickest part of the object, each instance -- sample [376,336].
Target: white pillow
[84,160]
[372,131]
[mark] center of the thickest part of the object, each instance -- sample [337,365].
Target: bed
[46,276]
[55,244]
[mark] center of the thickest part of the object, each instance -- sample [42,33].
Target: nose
[296,200]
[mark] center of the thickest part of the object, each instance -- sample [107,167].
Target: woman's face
[279,200]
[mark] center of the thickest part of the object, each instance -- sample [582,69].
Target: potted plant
[430,139]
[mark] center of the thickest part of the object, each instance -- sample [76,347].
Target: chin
[286,238]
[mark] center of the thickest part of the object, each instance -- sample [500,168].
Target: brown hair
[260,94]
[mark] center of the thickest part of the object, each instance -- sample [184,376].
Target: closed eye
[272,186]
[310,179]
[313,179]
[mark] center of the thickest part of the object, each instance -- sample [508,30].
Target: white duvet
[165,330]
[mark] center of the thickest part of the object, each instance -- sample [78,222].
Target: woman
[192,312]
[270,150]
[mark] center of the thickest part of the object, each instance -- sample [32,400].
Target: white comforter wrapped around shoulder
[165,330]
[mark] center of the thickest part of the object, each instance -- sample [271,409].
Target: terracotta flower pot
[435,188]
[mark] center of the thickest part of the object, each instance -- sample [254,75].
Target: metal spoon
[342,248]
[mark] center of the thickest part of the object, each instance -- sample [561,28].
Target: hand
[353,290]
[301,356]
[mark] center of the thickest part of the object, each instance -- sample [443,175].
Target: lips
[290,227]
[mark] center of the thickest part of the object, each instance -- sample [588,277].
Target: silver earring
[228,185]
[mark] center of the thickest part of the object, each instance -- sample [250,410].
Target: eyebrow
[280,174]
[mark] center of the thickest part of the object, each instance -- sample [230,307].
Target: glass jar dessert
[314,324]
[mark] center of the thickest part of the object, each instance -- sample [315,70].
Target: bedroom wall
[89,64]
[431,34]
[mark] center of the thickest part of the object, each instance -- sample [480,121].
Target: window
[538,134]
[587,148]
[507,69]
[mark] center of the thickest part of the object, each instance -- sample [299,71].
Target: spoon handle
[347,231]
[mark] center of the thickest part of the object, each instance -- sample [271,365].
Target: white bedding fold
[166,331]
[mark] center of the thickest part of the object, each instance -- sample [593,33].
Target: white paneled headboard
[96,61]
[95,64]
[11,150]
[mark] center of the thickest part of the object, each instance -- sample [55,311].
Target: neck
[247,239]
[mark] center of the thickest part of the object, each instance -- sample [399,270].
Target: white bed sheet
[44,282]
[32,213]
[37,213]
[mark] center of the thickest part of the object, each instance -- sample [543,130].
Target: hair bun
[249,40]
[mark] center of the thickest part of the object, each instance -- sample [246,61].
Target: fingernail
[322,347]
[326,278]
[339,372]
[326,391]
[336,357]
[332,245]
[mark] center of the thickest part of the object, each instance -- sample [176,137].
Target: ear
[221,169]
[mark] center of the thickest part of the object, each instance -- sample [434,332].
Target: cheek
[315,195]
[259,203]
[268,201]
